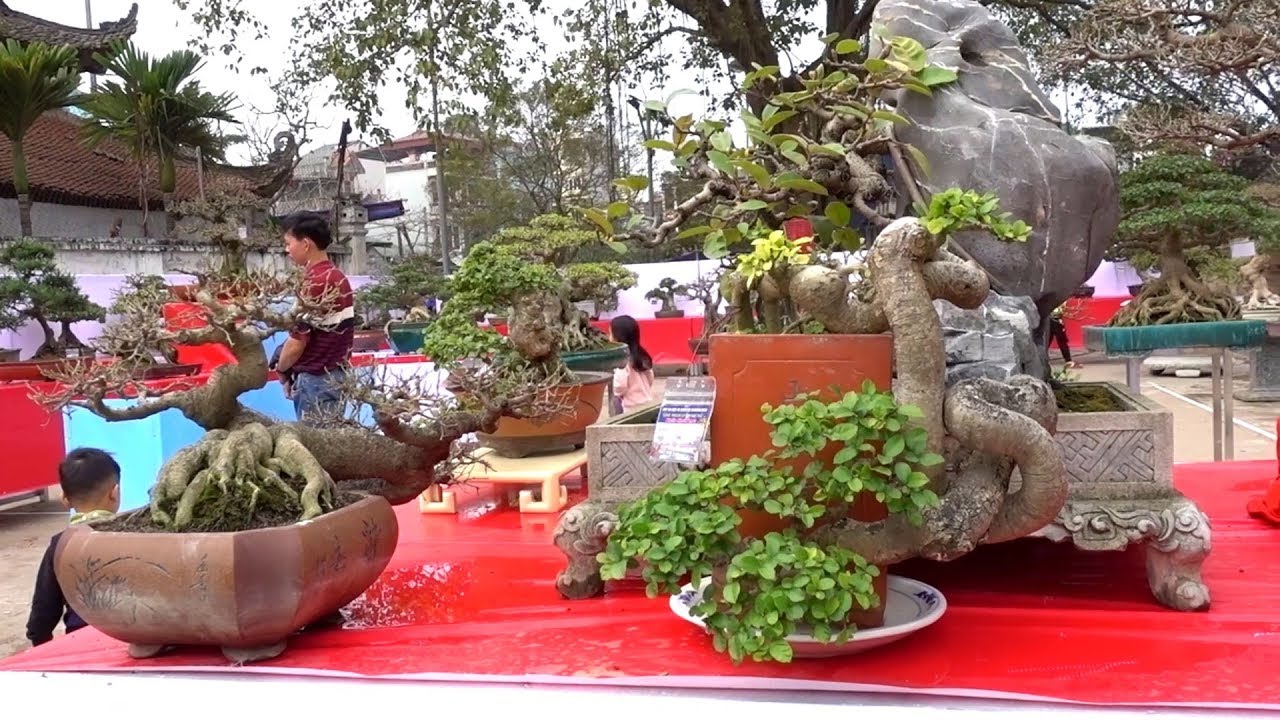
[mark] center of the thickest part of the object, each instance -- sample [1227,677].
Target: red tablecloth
[472,597]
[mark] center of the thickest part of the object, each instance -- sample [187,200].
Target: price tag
[681,435]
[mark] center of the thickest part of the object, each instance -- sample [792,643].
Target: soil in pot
[1087,399]
[230,513]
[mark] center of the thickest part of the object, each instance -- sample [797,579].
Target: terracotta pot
[168,370]
[562,432]
[369,341]
[1084,291]
[245,592]
[8,355]
[668,314]
[699,346]
[751,370]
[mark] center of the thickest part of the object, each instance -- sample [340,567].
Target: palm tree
[158,109]
[34,79]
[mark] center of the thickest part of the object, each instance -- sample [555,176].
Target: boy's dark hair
[85,472]
[309,225]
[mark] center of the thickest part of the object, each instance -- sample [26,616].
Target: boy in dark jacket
[90,481]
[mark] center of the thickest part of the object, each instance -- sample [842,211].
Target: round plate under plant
[910,606]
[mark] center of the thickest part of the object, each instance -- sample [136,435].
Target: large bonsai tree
[557,241]
[251,470]
[1179,209]
[405,285]
[39,291]
[826,168]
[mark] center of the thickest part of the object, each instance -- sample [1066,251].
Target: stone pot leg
[1176,532]
[240,656]
[581,535]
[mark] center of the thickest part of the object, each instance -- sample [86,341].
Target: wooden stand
[545,470]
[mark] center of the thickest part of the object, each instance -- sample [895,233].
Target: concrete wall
[73,221]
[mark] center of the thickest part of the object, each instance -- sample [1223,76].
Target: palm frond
[34,79]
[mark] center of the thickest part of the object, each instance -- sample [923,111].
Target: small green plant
[666,292]
[773,252]
[955,210]
[768,588]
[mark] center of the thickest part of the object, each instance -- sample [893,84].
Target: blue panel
[136,446]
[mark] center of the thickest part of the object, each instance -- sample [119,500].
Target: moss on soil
[226,513]
[1086,399]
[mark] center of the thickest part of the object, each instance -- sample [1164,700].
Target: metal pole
[88,23]
[199,170]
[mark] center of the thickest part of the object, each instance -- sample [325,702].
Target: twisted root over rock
[238,479]
[984,428]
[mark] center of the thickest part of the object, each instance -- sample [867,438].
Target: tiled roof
[63,169]
[28,28]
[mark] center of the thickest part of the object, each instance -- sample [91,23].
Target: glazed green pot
[407,337]
[603,360]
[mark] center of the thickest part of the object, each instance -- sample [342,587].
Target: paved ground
[24,533]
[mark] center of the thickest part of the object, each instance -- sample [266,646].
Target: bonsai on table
[815,153]
[322,490]
[33,286]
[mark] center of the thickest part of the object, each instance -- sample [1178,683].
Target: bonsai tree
[34,79]
[233,221]
[1180,212]
[404,287]
[598,283]
[554,241]
[250,470]
[774,584]
[139,290]
[42,293]
[666,292]
[813,152]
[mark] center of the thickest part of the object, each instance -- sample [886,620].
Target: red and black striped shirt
[328,337]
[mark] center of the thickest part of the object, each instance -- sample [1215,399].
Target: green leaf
[781,651]
[618,209]
[720,161]
[934,75]
[838,213]
[660,145]
[931,459]
[894,446]
[722,142]
[875,65]
[804,184]
[777,119]
[757,173]
[752,205]
[889,116]
[635,183]
[618,247]
[848,47]
[600,220]
[694,232]
[731,591]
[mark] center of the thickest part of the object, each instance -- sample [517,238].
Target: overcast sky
[163,28]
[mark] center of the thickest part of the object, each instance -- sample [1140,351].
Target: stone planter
[245,592]
[1120,472]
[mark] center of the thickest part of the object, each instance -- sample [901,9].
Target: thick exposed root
[249,477]
[983,427]
[1177,300]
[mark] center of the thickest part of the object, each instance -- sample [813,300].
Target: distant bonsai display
[236,223]
[37,290]
[666,292]
[405,286]
[1181,212]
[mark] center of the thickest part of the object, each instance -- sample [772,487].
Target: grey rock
[995,130]
[994,340]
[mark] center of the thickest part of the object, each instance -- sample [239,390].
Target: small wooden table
[545,470]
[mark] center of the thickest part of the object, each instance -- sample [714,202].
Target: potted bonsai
[41,292]
[261,527]
[784,572]
[1177,211]
[152,357]
[557,241]
[707,290]
[827,321]
[492,276]
[665,294]
[11,318]
[402,291]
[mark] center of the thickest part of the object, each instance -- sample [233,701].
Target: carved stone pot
[245,592]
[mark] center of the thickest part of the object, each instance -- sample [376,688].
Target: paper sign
[683,421]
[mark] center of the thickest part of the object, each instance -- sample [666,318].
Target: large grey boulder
[996,340]
[995,130]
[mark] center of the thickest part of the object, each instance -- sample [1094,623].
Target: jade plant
[665,294]
[791,580]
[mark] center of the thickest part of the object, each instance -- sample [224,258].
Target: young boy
[90,481]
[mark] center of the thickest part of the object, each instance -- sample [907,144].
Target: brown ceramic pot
[751,370]
[245,592]
[580,403]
